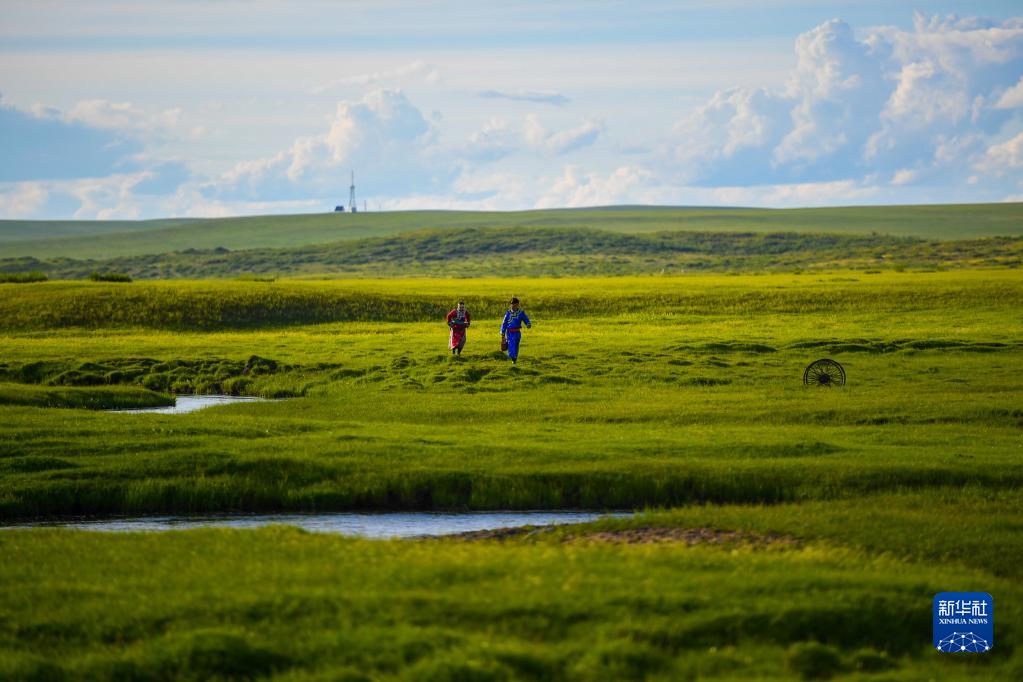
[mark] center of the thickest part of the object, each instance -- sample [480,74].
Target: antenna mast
[352,206]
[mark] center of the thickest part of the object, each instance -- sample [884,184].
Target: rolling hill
[113,239]
[533,252]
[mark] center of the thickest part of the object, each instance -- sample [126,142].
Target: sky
[117,109]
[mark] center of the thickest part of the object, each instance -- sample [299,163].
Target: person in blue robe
[511,329]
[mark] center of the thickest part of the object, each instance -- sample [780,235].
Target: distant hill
[112,239]
[537,251]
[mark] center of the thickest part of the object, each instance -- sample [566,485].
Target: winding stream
[190,403]
[367,525]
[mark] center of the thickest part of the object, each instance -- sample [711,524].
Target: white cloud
[885,101]
[122,116]
[108,198]
[559,143]
[1012,97]
[818,193]
[188,202]
[417,71]
[383,134]
[22,199]
[495,140]
[1002,158]
[499,138]
[40,144]
[872,114]
[716,135]
[577,187]
[535,96]
[837,87]
[904,176]
[510,187]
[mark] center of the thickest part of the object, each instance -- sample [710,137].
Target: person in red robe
[458,321]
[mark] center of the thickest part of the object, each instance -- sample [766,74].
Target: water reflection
[191,403]
[367,525]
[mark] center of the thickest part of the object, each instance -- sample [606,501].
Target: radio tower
[352,207]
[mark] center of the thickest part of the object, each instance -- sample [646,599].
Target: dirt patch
[687,536]
[495,534]
[638,536]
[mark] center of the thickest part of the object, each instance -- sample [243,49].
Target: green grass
[222,305]
[283,603]
[54,239]
[650,391]
[681,394]
[91,398]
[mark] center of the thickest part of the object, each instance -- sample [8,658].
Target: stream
[360,524]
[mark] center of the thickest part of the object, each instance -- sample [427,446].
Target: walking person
[458,321]
[511,329]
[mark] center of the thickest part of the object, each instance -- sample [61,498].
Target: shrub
[813,661]
[21,277]
[97,276]
[870,661]
[209,653]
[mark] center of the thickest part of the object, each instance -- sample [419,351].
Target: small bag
[504,345]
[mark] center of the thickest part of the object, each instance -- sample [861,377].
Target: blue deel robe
[514,321]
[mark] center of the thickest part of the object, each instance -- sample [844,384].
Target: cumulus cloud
[565,141]
[122,116]
[1002,158]
[383,134]
[42,145]
[190,202]
[920,105]
[577,188]
[88,162]
[109,198]
[495,140]
[904,176]
[22,200]
[112,197]
[726,137]
[1012,98]
[535,96]
[835,90]
[865,115]
[499,138]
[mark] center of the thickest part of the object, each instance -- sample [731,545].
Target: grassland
[538,252]
[682,394]
[282,603]
[105,240]
[632,392]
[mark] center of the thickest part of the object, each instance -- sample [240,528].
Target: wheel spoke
[824,372]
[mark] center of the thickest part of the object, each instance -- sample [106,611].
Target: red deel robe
[457,327]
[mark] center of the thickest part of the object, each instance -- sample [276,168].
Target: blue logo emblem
[964,622]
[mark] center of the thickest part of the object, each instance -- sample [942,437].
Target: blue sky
[117,109]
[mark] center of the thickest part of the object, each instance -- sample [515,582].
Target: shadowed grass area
[255,376]
[91,398]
